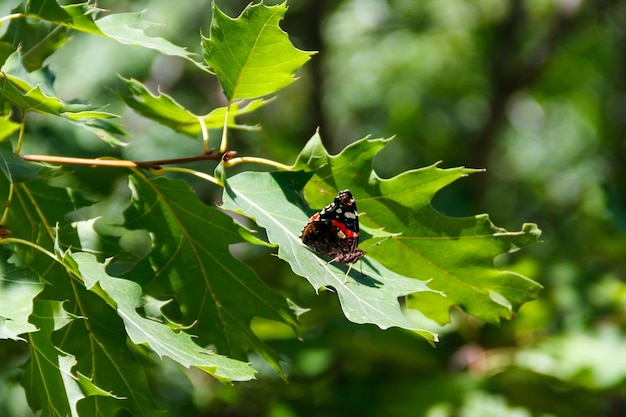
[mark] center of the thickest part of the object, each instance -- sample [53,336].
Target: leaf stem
[198,174]
[11,16]
[256,160]
[224,144]
[205,135]
[5,213]
[31,244]
[20,138]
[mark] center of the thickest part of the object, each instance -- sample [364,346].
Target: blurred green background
[534,91]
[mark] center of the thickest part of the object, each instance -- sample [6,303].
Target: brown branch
[123,163]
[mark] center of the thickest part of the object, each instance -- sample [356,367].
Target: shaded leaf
[251,55]
[125,297]
[191,262]
[456,253]
[33,92]
[369,294]
[36,40]
[85,338]
[129,29]
[6,49]
[125,28]
[14,168]
[165,110]
[18,288]
[74,16]
[50,384]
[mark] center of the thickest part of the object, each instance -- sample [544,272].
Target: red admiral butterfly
[334,231]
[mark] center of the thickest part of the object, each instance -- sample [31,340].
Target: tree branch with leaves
[93,310]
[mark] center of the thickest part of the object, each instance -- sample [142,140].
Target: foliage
[101,295]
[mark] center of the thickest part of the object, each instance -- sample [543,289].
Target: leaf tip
[531,229]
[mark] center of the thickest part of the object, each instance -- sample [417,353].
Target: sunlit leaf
[368,294]
[251,55]
[7,127]
[456,253]
[28,97]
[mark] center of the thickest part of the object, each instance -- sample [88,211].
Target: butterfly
[334,231]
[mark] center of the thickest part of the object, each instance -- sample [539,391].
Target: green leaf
[73,16]
[125,297]
[94,343]
[14,168]
[28,97]
[129,29]
[7,127]
[33,92]
[50,384]
[6,50]
[125,28]
[98,339]
[456,253]
[165,110]
[369,294]
[36,40]
[18,288]
[251,55]
[190,260]
[37,214]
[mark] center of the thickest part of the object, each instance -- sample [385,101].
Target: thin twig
[122,163]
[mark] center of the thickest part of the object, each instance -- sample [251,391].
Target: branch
[123,163]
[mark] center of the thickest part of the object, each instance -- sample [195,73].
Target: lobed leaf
[18,287]
[36,40]
[32,92]
[456,253]
[129,29]
[14,168]
[191,262]
[48,380]
[73,16]
[368,294]
[125,28]
[165,110]
[251,55]
[126,296]
[98,339]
